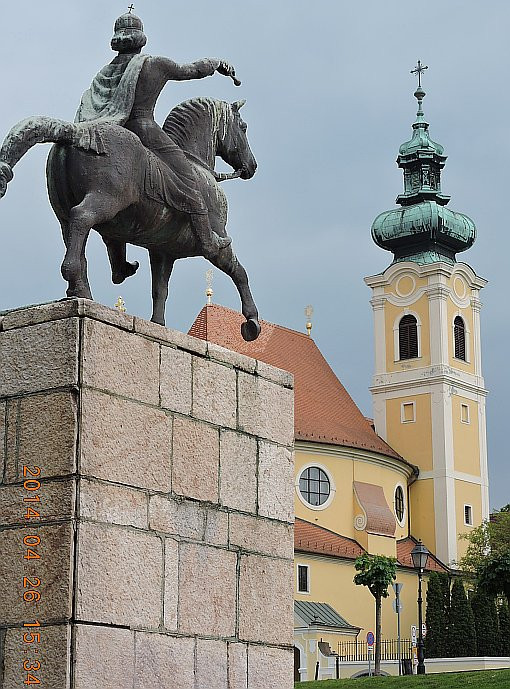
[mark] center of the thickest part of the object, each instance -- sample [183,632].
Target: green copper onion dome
[423,230]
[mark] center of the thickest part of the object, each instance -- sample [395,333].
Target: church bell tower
[428,390]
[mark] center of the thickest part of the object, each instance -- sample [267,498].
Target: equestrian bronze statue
[115,170]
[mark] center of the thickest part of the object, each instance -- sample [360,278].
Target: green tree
[490,537]
[438,605]
[376,572]
[461,625]
[493,574]
[486,623]
[504,629]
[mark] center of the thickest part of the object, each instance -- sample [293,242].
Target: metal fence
[358,650]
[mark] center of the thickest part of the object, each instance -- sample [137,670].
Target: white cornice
[439,269]
[401,381]
[405,468]
[457,475]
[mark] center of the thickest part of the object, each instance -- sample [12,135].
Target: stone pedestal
[159,472]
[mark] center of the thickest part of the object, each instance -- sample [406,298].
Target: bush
[504,630]
[486,624]
[461,627]
[438,605]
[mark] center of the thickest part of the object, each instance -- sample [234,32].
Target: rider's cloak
[109,100]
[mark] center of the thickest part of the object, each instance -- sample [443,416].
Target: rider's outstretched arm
[194,70]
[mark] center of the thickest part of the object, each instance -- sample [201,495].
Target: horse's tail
[39,130]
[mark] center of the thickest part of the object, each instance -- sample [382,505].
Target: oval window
[314,486]
[399,504]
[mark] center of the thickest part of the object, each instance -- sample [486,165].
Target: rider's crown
[128,21]
[129,34]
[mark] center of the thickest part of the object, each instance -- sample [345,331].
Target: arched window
[459,337]
[408,337]
[399,504]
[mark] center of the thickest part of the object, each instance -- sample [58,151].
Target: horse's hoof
[128,269]
[250,330]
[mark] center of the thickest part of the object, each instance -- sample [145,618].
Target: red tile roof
[310,538]
[404,548]
[324,410]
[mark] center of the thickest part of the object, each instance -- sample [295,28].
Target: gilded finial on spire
[309,314]
[419,70]
[209,279]
[120,304]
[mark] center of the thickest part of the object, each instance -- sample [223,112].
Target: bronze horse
[121,194]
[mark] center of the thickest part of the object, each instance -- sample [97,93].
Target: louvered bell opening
[408,337]
[459,333]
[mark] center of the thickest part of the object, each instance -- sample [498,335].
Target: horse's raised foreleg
[161,268]
[121,268]
[226,260]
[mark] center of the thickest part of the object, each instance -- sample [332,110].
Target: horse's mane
[183,120]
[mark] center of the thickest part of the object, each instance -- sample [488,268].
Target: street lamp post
[398,588]
[420,556]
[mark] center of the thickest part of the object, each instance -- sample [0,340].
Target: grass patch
[483,679]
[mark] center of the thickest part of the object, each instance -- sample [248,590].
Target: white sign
[423,629]
[414,631]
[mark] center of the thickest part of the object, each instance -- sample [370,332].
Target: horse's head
[233,146]
[206,127]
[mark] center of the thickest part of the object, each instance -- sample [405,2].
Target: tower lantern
[423,230]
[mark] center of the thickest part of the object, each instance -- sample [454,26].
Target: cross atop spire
[131,8]
[419,70]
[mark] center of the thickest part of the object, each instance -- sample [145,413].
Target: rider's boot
[210,241]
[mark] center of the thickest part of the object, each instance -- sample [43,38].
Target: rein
[218,176]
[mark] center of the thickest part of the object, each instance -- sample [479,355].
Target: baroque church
[418,469]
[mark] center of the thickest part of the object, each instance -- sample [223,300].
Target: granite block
[103,657]
[53,654]
[119,576]
[264,536]
[176,380]
[266,664]
[207,597]
[266,409]
[113,504]
[195,460]
[238,471]
[211,664]
[266,600]
[164,661]
[47,432]
[53,569]
[276,482]
[39,357]
[125,442]
[171,584]
[214,393]
[120,362]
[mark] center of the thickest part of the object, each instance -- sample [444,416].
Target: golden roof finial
[209,291]
[309,314]
[120,304]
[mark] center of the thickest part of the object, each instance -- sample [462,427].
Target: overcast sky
[329,101]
